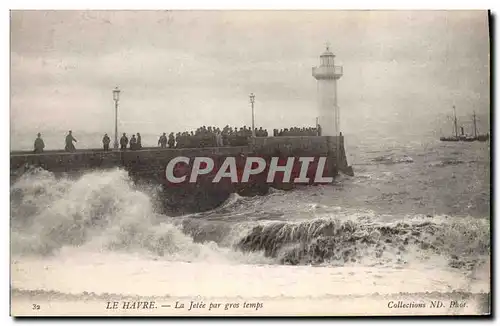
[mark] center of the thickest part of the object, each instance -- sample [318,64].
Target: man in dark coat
[123,142]
[171,140]
[105,142]
[133,143]
[69,143]
[163,140]
[39,144]
[139,141]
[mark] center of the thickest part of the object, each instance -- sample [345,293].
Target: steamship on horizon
[462,136]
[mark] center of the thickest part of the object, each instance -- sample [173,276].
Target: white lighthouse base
[327,107]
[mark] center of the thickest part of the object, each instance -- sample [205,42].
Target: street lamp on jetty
[252,100]
[116,98]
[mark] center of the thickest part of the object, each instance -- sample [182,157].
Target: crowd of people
[201,137]
[296,131]
[210,137]
[135,143]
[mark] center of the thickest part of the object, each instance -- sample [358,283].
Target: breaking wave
[447,161]
[105,211]
[102,211]
[392,159]
[464,243]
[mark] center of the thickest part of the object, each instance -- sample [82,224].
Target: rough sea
[414,218]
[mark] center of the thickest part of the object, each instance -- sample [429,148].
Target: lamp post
[116,98]
[252,100]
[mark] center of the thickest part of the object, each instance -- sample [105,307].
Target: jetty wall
[148,165]
[93,159]
[151,158]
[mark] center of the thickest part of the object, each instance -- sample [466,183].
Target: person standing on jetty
[171,140]
[133,142]
[39,144]
[163,140]
[139,141]
[218,139]
[123,142]
[105,142]
[69,143]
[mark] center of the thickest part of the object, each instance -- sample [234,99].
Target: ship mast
[475,126]
[455,121]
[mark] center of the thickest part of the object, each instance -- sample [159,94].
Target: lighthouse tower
[327,75]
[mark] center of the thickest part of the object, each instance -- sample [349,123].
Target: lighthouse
[327,75]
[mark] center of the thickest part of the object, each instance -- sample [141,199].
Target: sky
[178,70]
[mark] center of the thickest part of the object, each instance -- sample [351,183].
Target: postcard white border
[186,4]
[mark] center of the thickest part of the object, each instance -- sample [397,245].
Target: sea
[414,218]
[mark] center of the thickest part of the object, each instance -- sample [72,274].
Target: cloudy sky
[178,70]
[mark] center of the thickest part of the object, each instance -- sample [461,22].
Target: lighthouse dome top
[327,52]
